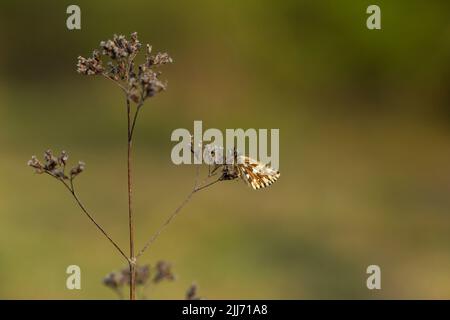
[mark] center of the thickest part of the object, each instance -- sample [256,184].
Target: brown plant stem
[132,261]
[175,213]
[72,191]
[115,81]
[138,108]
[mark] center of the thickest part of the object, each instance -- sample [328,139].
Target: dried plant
[145,276]
[191,293]
[115,61]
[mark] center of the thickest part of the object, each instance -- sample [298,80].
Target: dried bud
[160,59]
[116,49]
[134,45]
[113,280]
[62,160]
[77,169]
[150,83]
[142,274]
[51,162]
[163,271]
[135,95]
[36,164]
[90,66]
[191,293]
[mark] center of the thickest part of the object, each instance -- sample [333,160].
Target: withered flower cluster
[191,293]
[56,166]
[163,271]
[117,280]
[139,83]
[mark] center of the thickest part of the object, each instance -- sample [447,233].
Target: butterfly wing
[256,174]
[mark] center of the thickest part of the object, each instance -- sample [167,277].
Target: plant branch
[208,185]
[115,81]
[195,189]
[132,261]
[136,113]
[86,212]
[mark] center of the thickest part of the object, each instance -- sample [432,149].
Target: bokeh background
[364,119]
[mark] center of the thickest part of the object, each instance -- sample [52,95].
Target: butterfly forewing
[256,174]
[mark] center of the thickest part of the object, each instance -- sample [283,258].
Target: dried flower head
[120,47]
[117,280]
[113,280]
[62,160]
[55,166]
[138,84]
[79,168]
[191,293]
[159,59]
[163,271]
[142,275]
[90,66]
[36,164]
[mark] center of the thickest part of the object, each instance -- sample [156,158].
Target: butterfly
[256,174]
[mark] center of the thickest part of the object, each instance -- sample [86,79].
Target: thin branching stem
[115,81]
[86,212]
[208,185]
[136,114]
[158,232]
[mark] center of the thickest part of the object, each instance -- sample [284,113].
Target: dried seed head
[191,293]
[139,84]
[36,164]
[150,83]
[90,66]
[113,280]
[79,168]
[135,95]
[62,160]
[158,60]
[163,271]
[114,49]
[134,45]
[142,274]
[55,166]
[51,162]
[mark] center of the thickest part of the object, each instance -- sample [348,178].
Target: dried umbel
[90,66]
[114,280]
[163,271]
[142,274]
[139,82]
[56,166]
[119,279]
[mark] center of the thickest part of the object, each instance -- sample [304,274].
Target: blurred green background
[364,119]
